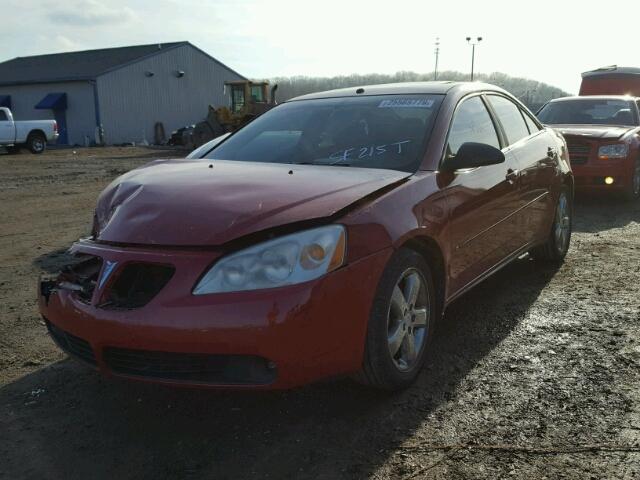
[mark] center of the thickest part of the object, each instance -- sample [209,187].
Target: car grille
[191,367]
[136,285]
[579,152]
[71,344]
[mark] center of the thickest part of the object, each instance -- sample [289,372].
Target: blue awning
[53,101]
[5,101]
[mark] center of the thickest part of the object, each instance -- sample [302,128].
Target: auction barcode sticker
[406,103]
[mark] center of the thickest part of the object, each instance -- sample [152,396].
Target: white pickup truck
[32,134]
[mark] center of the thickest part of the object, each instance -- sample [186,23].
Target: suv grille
[71,344]
[579,152]
[191,367]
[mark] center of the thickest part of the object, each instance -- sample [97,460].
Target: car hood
[202,203]
[604,132]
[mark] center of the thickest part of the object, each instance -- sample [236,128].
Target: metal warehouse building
[126,90]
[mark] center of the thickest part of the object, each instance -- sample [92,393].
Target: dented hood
[604,132]
[202,203]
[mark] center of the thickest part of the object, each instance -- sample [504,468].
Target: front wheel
[401,323]
[557,245]
[633,191]
[36,143]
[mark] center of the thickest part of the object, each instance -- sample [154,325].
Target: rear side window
[3,116]
[471,123]
[533,128]
[510,118]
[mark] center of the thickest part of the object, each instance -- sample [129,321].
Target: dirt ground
[534,374]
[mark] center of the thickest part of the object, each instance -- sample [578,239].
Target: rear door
[482,201]
[536,151]
[7,132]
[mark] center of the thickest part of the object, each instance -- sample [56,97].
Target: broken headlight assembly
[286,260]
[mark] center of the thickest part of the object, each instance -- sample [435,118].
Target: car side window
[510,118]
[531,125]
[3,116]
[471,123]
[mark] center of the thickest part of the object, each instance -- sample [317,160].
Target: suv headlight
[287,260]
[617,150]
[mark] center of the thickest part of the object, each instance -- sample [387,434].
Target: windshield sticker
[356,153]
[406,103]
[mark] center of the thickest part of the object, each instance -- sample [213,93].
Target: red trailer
[611,80]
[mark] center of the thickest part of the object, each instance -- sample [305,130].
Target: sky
[552,41]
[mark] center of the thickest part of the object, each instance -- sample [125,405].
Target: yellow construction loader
[248,100]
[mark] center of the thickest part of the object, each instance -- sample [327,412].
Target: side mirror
[472,155]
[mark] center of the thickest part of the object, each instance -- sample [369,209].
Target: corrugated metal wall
[80,106]
[131,102]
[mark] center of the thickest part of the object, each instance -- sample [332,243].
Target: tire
[633,191]
[555,249]
[36,143]
[412,327]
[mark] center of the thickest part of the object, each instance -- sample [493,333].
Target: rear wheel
[36,143]
[401,323]
[633,191]
[557,245]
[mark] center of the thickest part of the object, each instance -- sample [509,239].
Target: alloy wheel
[563,222]
[407,320]
[38,145]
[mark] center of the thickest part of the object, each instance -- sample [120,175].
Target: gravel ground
[533,374]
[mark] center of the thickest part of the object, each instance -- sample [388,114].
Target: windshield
[386,131]
[588,112]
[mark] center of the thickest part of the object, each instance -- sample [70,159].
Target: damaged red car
[603,135]
[324,238]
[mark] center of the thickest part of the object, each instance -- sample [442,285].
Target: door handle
[512,175]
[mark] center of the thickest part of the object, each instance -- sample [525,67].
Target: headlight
[617,150]
[286,260]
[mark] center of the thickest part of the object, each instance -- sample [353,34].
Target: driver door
[483,201]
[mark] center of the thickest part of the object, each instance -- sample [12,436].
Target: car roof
[594,97]
[404,88]
[611,70]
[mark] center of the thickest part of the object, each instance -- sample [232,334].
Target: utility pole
[473,51]
[437,52]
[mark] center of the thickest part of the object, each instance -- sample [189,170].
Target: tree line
[532,93]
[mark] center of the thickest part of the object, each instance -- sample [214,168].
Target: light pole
[473,51]
[437,52]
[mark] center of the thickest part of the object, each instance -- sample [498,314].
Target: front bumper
[275,338]
[592,175]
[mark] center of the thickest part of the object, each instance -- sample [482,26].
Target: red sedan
[324,238]
[603,134]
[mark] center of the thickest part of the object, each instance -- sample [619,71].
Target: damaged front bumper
[130,312]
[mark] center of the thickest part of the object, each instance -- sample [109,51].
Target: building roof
[73,66]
